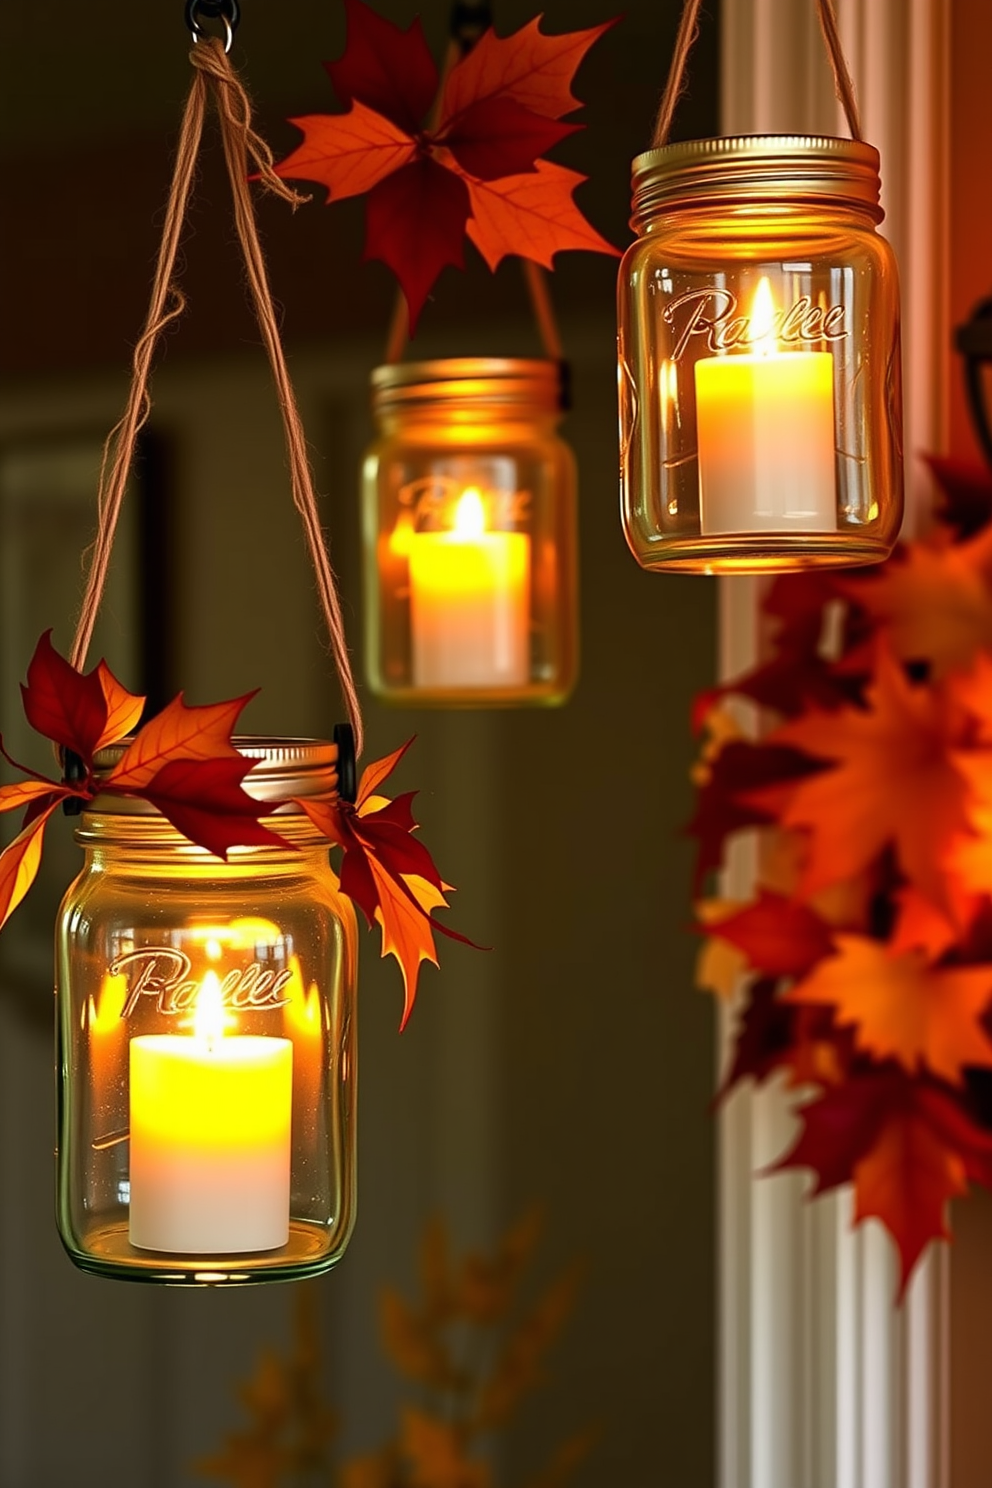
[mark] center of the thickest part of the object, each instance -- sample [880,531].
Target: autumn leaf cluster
[186,763]
[442,158]
[466,1349]
[863,962]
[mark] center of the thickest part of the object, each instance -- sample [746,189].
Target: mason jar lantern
[206,1041]
[469,514]
[759,362]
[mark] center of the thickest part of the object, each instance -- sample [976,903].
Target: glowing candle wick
[208,1015]
[470,514]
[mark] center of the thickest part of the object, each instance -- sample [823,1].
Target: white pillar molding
[823,1382]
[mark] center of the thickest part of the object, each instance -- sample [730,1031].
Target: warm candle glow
[765,431]
[210,1134]
[762,337]
[470,602]
[470,515]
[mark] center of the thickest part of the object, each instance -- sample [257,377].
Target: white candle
[765,437]
[470,603]
[210,1138]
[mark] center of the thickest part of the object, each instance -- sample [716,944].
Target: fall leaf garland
[465,160]
[865,956]
[185,763]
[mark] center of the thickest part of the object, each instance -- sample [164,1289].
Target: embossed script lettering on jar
[430,497]
[162,973]
[711,312]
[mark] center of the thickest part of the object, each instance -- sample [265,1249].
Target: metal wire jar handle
[684,41]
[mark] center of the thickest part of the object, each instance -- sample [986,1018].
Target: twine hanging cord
[685,40]
[243,148]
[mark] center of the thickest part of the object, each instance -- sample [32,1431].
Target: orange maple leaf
[902,1007]
[527,68]
[25,792]
[532,215]
[348,153]
[179,732]
[124,709]
[478,152]
[387,871]
[891,781]
[935,604]
[19,862]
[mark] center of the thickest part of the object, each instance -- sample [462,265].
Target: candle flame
[208,1015]
[470,514]
[763,337]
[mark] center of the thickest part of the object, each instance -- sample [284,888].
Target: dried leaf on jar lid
[179,732]
[205,800]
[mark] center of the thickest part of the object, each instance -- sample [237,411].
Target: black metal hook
[469,19]
[228,11]
[344,738]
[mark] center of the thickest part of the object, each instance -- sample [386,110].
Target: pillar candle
[210,1142]
[470,603]
[765,437]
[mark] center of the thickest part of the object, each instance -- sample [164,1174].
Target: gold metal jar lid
[444,383]
[755,169]
[283,768]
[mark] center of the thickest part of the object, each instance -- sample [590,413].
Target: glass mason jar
[469,515]
[206,1042]
[759,362]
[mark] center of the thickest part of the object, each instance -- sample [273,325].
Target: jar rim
[282,768]
[756,168]
[531,382]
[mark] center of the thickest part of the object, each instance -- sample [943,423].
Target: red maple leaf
[179,732]
[907,1145]
[779,936]
[388,873]
[473,165]
[185,763]
[726,801]
[80,712]
[205,800]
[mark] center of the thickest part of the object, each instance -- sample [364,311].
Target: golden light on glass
[210,1136]
[470,535]
[206,1033]
[765,429]
[759,358]
[469,602]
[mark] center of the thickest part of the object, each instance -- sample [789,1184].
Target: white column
[823,1382]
